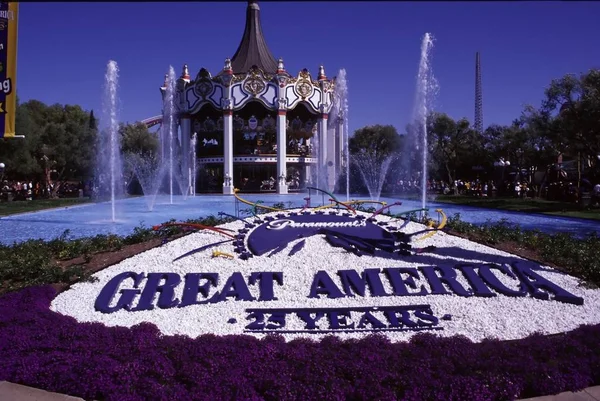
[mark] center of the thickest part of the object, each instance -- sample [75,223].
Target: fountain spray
[168,123]
[110,152]
[341,86]
[194,141]
[426,90]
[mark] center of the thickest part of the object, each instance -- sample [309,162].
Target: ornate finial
[227,66]
[185,74]
[322,73]
[280,66]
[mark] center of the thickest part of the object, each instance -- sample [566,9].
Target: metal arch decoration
[255,82]
[203,86]
[396,241]
[304,87]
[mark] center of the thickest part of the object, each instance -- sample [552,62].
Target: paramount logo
[283,223]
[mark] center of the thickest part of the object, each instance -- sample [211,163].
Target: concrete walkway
[17,392]
[589,394]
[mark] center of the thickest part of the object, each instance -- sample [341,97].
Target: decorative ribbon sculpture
[430,225]
[254,205]
[216,253]
[195,225]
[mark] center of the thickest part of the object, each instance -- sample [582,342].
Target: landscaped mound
[312,276]
[52,351]
[44,349]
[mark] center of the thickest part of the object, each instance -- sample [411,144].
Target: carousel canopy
[253,49]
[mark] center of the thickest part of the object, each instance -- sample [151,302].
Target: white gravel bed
[477,318]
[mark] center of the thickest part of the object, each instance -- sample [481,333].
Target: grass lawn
[8,208]
[554,208]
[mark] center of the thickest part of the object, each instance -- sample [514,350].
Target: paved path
[589,394]
[17,392]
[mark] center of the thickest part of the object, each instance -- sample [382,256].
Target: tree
[57,138]
[571,111]
[382,140]
[372,149]
[19,155]
[454,144]
[135,138]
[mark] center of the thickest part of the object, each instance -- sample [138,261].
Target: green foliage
[454,145]
[58,137]
[37,262]
[381,140]
[578,257]
[136,139]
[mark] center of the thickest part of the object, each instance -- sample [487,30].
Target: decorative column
[185,126]
[282,79]
[282,187]
[322,167]
[327,143]
[228,149]
[227,105]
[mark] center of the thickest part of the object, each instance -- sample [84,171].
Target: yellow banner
[9,12]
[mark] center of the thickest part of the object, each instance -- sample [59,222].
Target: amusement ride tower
[478,96]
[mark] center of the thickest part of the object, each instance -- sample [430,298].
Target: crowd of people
[558,191]
[30,190]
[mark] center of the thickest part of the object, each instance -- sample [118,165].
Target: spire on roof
[253,49]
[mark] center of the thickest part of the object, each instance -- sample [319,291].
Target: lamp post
[2,167]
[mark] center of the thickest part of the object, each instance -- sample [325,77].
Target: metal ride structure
[478,96]
[258,127]
[152,121]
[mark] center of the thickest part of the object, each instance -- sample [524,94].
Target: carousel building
[257,127]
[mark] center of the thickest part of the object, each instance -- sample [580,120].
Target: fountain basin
[94,219]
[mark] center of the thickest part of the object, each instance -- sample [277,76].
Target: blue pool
[93,219]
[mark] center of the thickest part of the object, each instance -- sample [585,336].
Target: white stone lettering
[283,223]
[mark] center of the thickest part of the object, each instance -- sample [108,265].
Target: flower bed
[44,349]
[55,352]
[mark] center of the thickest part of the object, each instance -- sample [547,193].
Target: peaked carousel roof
[253,49]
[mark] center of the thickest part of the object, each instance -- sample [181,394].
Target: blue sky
[64,48]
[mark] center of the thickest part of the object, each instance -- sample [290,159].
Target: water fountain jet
[109,146]
[341,88]
[426,90]
[169,125]
[150,172]
[373,168]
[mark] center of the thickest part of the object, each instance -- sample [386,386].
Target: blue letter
[367,318]
[311,323]
[323,284]
[399,284]
[236,287]
[485,271]
[166,297]
[266,284]
[448,276]
[479,287]
[352,281]
[110,289]
[426,317]
[404,321]
[540,283]
[339,320]
[193,288]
